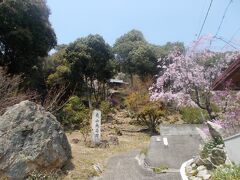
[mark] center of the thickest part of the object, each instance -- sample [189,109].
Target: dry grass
[84,157]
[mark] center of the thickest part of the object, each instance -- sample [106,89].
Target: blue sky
[161,21]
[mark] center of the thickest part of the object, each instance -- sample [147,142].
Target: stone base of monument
[113,140]
[103,144]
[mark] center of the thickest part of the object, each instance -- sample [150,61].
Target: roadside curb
[183,171]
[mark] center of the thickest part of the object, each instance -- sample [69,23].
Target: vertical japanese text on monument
[96,126]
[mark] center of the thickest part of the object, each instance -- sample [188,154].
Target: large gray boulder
[30,139]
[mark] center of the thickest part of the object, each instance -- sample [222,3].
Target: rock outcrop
[218,156]
[31,139]
[212,154]
[215,131]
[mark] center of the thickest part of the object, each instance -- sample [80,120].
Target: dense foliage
[188,79]
[146,113]
[74,113]
[85,64]
[135,54]
[150,115]
[106,109]
[26,37]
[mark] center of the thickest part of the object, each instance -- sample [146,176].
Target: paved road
[183,144]
[126,167]
[180,149]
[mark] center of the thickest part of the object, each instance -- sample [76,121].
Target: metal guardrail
[232,137]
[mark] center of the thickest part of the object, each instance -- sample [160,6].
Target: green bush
[226,172]
[85,131]
[74,113]
[135,100]
[193,115]
[105,107]
[147,113]
[150,115]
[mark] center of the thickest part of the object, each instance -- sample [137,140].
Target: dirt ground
[85,158]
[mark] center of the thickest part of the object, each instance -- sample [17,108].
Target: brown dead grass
[84,157]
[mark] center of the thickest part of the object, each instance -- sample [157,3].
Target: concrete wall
[233,148]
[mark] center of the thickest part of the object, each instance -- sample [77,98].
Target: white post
[96,126]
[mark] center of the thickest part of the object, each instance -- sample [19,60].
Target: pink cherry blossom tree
[229,103]
[188,79]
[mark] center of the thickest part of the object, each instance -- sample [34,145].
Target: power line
[223,17]
[232,37]
[199,22]
[229,43]
[220,25]
[205,19]
[235,33]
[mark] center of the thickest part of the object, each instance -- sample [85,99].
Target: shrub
[135,100]
[193,115]
[55,98]
[85,131]
[74,113]
[146,112]
[105,107]
[226,172]
[150,115]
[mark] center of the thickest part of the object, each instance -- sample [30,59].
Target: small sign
[96,126]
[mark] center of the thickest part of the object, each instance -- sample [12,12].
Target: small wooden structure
[115,83]
[232,73]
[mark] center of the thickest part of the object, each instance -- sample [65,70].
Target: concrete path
[126,167]
[179,150]
[183,144]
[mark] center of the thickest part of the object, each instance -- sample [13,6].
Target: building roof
[232,73]
[117,81]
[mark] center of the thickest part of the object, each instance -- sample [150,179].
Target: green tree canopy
[54,60]
[135,54]
[26,35]
[163,51]
[89,58]
[84,61]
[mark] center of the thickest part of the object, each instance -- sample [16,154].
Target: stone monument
[96,127]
